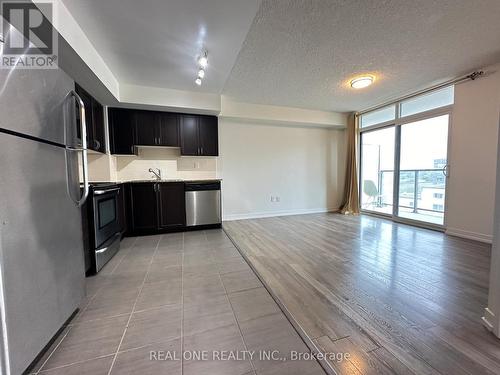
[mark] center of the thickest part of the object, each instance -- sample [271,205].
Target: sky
[421,143]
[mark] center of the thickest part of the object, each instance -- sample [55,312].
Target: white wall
[168,160]
[304,166]
[473,157]
[66,25]
[102,168]
[491,317]
[170,100]
[277,115]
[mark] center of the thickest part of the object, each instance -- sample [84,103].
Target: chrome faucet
[157,173]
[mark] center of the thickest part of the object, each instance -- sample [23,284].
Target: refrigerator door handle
[84,196]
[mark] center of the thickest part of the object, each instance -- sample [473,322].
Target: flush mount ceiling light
[201,73]
[198,81]
[361,82]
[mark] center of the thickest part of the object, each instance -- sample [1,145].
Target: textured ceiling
[301,53]
[156,42]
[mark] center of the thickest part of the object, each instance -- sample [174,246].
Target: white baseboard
[258,215]
[469,235]
[489,321]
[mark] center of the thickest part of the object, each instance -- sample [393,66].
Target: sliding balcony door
[404,158]
[422,170]
[377,170]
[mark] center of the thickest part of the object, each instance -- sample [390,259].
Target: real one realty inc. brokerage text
[242,355]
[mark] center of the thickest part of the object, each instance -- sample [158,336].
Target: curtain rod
[472,76]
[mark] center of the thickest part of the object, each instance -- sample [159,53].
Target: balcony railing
[419,190]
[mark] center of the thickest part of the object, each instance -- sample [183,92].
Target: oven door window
[107,212]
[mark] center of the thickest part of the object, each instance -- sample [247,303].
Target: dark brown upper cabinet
[169,129]
[98,122]
[94,119]
[147,125]
[121,131]
[199,135]
[209,135]
[196,135]
[156,129]
[190,144]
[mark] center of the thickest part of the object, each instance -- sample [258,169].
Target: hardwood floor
[398,299]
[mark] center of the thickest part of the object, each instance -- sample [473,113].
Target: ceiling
[157,42]
[301,53]
[293,52]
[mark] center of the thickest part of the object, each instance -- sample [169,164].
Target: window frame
[397,123]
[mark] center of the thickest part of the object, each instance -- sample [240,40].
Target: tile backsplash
[168,160]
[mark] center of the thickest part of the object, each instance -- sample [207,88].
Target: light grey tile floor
[171,294]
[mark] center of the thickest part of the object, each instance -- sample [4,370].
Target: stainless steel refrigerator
[42,271]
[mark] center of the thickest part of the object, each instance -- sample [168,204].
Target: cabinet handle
[132,149]
[201,153]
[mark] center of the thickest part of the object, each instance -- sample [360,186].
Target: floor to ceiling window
[404,158]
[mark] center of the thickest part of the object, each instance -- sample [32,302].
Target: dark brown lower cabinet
[171,205]
[143,207]
[156,206]
[122,208]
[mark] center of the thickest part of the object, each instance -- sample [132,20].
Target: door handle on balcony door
[445,170]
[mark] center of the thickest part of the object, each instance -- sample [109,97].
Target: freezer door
[33,100]
[42,248]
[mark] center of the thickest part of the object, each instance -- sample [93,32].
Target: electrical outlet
[272,198]
[277,199]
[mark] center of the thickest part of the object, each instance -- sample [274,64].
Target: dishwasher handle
[193,186]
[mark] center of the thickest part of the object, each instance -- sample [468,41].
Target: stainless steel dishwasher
[203,203]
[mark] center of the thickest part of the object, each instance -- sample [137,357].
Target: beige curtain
[350,203]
